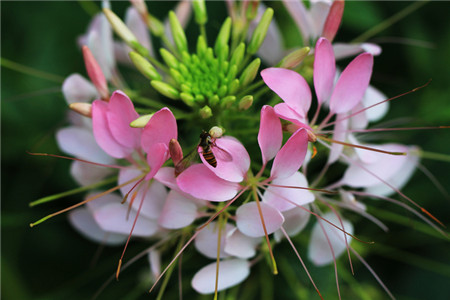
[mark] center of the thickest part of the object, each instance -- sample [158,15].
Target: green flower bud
[165,89]
[144,66]
[156,26]
[250,72]
[260,32]
[188,99]
[233,86]
[294,58]
[232,73]
[222,91]
[201,46]
[176,76]
[141,121]
[169,59]
[206,112]
[223,36]
[246,102]
[186,88]
[238,55]
[178,33]
[214,100]
[252,9]
[227,102]
[119,27]
[201,17]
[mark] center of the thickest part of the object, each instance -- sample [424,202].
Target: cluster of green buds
[210,80]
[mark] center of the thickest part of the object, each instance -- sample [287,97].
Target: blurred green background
[52,261]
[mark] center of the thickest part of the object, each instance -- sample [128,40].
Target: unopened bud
[144,66]
[252,9]
[311,136]
[120,28]
[233,86]
[177,32]
[141,7]
[246,102]
[201,46]
[206,112]
[141,121]
[250,72]
[260,32]
[95,73]
[155,26]
[176,153]
[214,100]
[238,55]
[188,99]
[333,20]
[227,102]
[201,17]
[293,59]
[224,36]
[168,58]
[216,132]
[165,89]
[83,108]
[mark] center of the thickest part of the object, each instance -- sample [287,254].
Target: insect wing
[185,162]
[221,154]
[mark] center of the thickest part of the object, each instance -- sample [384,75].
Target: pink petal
[352,84]
[233,164]
[324,70]
[318,12]
[86,174]
[286,113]
[80,142]
[319,251]
[178,211]
[83,221]
[333,20]
[167,177]
[239,245]
[156,156]
[113,217]
[95,73]
[294,221]
[161,128]
[285,199]
[102,133]
[120,114]
[339,134]
[385,166]
[231,273]
[248,219]
[76,88]
[290,158]
[290,86]
[207,240]
[155,196]
[270,134]
[202,183]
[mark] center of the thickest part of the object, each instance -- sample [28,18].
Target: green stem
[72,192]
[434,156]
[389,21]
[203,33]
[30,71]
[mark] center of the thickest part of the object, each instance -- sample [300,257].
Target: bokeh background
[52,261]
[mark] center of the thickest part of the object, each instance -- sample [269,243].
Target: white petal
[76,88]
[294,222]
[87,174]
[206,240]
[239,245]
[231,272]
[178,211]
[248,219]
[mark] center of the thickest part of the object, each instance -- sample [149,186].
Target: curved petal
[232,167]
[113,217]
[87,174]
[352,84]
[248,219]
[270,135]
[342,50]
[231,272]
[207,240]
[290,86]
[120,114]
[102,133]
[80,142]
[154,258]
[385,166]
[324,70]
[290,157]
[286,113]
[371,97]
[294,222]
[83,221]
[76,88]
[359,121]
[156,156]
[154,197]
[339,134]
[161,128]
[284,198]
[239,245]
[319,251]
[178,211]
[200,182]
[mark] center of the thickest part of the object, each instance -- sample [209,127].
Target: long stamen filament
[359,146]
[78,159]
